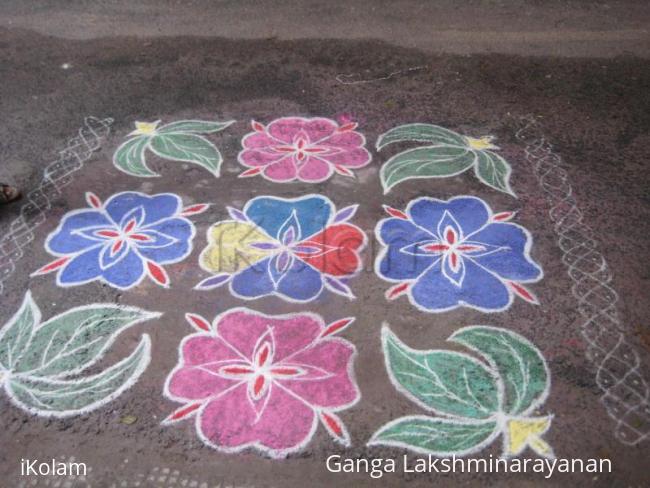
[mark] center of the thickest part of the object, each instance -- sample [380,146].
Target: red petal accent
[197,321]
[503,216]
[182,412]
[250,172]
[337,326]
[436,247]
[395,213]
[259,385]
[108,233]
[284,371]
[450,236]
[239,370]
[454,261]
[195,209]
[140,237]
[53,266]
[335,427]
[93,200]
[257,126]
[117,245]
[158,273]
[342,170]
[397,290]
[263,354]
[130,226]
[469,248]
[523,292]
[347,127]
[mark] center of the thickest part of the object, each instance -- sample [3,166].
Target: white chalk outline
[330,221]
[297,179]
[56,175]
[273,453]
[591,276]
[384,251]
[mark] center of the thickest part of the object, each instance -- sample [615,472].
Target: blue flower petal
[179,231]
[479,289]
[254,281]
[471,213]
[398,263]
[511,261]
[312,213]
[156,207]
[64,240]
[301,282]
[125,273]
[82,268]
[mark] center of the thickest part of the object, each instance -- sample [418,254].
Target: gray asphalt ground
[580,69]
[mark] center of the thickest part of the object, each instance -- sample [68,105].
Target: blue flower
[446,254]
[292,248]
[121,241]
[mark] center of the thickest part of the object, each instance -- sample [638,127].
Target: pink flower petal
[256,157]
[335,391]
[242,329]
[355,158]
[231,422]
[258,140]
[196,378]
[319,128]
[315,169]
[287,128]
[345,140]
[282,170]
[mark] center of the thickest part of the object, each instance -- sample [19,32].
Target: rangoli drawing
[448,254]
[40,363]
[291,248]
[448,154]
[177,141]
[303,149]
[262,381]
[120,241]
[473,401]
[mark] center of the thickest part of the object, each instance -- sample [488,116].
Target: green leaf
[70,342]
[15,335]
[446,382]
[130,157]
[436,436]
[193,127]
[62,398]
[421,133]
[187,147]
[494,171]
[425,162]
[519,363]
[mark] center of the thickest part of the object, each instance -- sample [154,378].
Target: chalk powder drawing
[291,248]
[448,254]
[474,401]
[121,241]
[448,154]
[40,363]
[625,392]
[263,381]
[304,149]
[56,176]
[178,141]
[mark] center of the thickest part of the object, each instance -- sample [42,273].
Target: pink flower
[254,380]
[297,148]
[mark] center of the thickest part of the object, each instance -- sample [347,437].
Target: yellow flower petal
[527,432]
[481,143]
[145,128]
[229,248]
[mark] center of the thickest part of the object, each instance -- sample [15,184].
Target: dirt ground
[594,110]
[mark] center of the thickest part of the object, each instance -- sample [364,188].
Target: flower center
[301,148]
[451,247]
[120,236]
